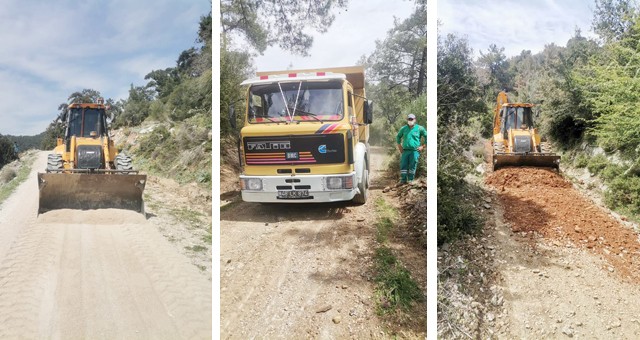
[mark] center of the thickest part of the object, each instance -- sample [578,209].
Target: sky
[352,35]
[516,25]
[51,49]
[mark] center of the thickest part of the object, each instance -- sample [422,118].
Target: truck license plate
[293,193]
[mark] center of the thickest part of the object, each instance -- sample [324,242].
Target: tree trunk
[422,75]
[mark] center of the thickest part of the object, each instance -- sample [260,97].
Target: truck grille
[295,150]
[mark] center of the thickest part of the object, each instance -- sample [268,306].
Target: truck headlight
[252,184]
[339,182]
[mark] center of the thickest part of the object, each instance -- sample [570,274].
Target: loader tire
[497,147]
[123,162]
[545,148]
[54,162]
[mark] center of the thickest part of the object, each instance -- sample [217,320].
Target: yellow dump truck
[305,136]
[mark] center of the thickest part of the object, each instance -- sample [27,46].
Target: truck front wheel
[363,187]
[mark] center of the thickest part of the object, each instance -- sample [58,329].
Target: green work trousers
[408,164]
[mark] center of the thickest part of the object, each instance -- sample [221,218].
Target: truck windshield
[300,101]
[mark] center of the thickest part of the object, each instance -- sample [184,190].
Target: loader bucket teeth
[91,191]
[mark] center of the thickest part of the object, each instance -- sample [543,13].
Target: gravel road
[299,271]
[95,274]
[569,267]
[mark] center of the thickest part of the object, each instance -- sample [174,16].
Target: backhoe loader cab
[86,122]
[85,170]
[516,118]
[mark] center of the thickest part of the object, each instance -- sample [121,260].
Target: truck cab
[305,136]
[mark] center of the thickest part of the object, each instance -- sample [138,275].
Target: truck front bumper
[274,186]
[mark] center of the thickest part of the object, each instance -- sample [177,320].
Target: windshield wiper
[305,113]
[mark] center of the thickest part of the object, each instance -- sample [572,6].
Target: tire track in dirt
[282,264]
[94,274]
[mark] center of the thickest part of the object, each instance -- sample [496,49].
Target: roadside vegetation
[12,175]
[7,151]
[398,295]
[460,103]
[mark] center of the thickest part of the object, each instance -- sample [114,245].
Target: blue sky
[515,25]
[352,34]
[53,48]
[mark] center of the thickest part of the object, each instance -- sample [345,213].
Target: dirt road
[568,267]
[300,271]
[97,274]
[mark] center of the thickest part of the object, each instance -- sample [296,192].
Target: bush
[7,175]
[455,217]
[395,281]
[611,171]
[597,163]
[581,161]
[7,153]
[154,139]
[624,192]
[486,124]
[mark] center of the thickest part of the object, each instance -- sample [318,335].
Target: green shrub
[597,163]
[486,124]
[581,161]
[611,171]
[624,192]
[7,153]
[456,215]
[154,139]
[395,282]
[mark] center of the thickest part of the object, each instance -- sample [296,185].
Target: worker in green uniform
[409,144]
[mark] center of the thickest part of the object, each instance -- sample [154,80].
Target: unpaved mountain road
[301,270]
[95,274]
[568,267]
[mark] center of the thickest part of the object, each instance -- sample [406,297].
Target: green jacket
[410,136]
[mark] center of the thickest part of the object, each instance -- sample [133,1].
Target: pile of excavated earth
[540,201]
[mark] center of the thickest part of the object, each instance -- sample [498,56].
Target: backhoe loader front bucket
[541,160]
[91,191]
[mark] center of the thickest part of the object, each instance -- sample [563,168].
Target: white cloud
[140,65]
[26,112]
[515,25]
[51,49]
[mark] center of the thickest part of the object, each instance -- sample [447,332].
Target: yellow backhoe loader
[85,171]
[516,141]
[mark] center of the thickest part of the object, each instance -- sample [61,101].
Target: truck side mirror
[368,112]
[232,116]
